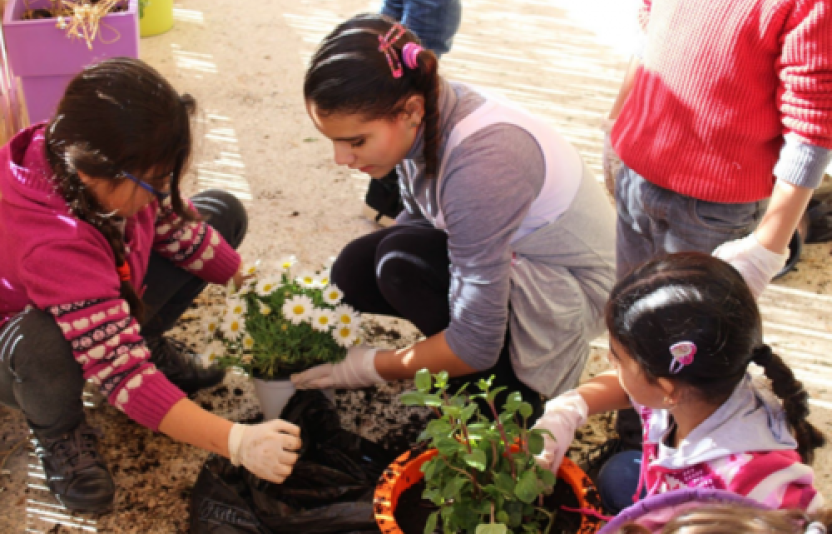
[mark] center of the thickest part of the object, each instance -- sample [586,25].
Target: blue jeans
[618,481]
[653,221]
[434,21]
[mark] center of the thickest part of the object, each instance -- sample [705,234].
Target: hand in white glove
[756,263]
[358,370]
[266,449]
[562,417]
[609,159]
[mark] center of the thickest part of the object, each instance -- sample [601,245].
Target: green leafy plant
[278,324]
[484,478]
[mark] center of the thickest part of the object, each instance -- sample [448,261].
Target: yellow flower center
[298,309]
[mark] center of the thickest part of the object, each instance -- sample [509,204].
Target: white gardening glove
[609,159]
[562,417]
[267,449]
[756,263]
[358,370]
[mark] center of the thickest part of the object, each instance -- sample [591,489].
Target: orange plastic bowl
[406,470]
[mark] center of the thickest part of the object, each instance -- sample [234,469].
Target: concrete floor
[244,63]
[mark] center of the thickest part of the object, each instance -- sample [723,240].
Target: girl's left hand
[358,370]
[757,264]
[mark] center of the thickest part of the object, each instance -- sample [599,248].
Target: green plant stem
[466,473]
[461,424]
[550,515]
[493,456]
[502,430]
[466,438]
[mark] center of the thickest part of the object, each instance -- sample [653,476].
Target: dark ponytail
[349,75]
[119,116]
[795,401]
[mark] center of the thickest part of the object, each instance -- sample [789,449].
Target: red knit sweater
[722,83]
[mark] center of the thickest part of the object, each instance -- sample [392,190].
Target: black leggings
[403,271]
[38,371]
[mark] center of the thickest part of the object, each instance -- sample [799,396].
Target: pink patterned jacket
[744,447]
[57,263]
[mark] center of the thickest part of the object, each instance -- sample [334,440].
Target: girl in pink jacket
[101,255]
[684,329]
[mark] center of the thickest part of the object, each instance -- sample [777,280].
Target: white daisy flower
[248,342]
[233,327]
[344,335]
[266,286]
[298,309]
[322,319]
[265,309]
[306,279]
[236,307]
[323,278]
[346,315]
[209,326]
[332,295]
[286,263]
[212,353]
[251,269]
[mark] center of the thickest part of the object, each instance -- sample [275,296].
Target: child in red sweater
[91,217]
[724,128]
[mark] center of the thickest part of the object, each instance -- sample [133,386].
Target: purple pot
[45,59]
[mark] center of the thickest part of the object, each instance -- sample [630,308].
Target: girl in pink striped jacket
[683,330]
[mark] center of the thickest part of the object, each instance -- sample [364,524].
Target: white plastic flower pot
[273,395]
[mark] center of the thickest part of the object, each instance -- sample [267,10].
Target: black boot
[181,365]
[75,472]
[383,201]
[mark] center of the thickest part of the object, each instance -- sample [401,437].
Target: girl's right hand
[266,449]
[562,417]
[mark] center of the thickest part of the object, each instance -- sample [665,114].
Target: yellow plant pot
[156,17]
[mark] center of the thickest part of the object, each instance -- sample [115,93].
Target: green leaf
[413,398]
[423,380]
[535,442]
[513,401]
[494,392]
[430,526]
[448,446]
[526,410]
[527,488]
[475,459]
[441,379]
[547,477]
[502,517]
[505,484]
[492,528]
[468,411]
[452,490]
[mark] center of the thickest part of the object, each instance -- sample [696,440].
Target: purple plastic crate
[45,59]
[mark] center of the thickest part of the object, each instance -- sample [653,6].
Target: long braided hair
[697,298]
[349,75]
[119,116]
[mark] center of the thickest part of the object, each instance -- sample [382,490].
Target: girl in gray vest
[503,257]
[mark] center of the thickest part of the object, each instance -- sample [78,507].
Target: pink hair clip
[385,46]
[682,353]
[410,55]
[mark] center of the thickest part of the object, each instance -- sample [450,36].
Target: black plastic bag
[330,489]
